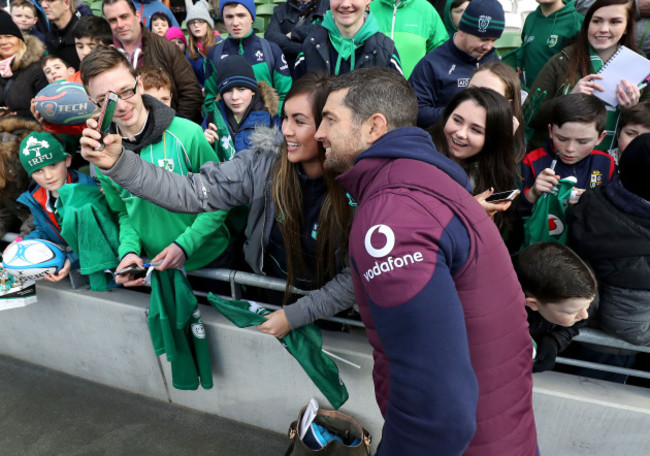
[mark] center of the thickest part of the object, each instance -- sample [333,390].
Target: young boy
[578,126]
[156,83]
[546,32]
[243,104]
[559,288]
[633,122]
[160,23]
[56,69]
[266,58]
[45,160]
[25,16]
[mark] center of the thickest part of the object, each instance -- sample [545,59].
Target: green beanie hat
[40,149]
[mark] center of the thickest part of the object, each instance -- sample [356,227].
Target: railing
[237,279]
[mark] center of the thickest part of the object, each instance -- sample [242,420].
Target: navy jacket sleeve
[425,86]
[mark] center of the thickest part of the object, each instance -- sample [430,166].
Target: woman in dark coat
[21,75]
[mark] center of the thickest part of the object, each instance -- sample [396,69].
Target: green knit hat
[40,149]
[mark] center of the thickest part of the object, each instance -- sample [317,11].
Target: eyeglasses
[123,95]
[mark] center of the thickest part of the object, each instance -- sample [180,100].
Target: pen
[148,265]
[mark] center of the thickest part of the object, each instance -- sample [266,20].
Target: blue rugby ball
[33,259]
[64,103]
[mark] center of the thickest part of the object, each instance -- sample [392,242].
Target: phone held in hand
[106,114]
[502,196]
[134,269]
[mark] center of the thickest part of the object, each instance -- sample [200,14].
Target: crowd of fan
[186,100]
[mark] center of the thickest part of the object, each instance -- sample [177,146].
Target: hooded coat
[441,304]
[610,229]
[28,79]
[148,8]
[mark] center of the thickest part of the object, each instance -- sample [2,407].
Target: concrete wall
[103,337]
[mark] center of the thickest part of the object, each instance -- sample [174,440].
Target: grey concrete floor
[48,413]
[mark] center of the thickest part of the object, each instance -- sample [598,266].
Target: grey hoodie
[244,180]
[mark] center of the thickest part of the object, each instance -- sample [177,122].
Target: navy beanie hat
[483,18]
[248,4]
[8,27]
[634,166]
[235,71]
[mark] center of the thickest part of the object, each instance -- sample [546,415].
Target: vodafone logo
[387,248]
[391,263]
[555,225]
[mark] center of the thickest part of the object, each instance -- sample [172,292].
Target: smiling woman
[21,76]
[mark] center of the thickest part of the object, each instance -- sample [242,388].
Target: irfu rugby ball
[64,103]
[33,259]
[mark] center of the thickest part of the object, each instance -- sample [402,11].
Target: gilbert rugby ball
[64,103]
[33,259]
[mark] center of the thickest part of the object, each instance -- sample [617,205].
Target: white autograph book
[625,64]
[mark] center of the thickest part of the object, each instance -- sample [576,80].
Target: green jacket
[178,145]
[414,25]
[542,37]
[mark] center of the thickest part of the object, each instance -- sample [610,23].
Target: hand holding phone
[134,270]
[502,196]
[106,114]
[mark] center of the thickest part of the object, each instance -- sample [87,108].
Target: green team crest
[166,163]
[552,41]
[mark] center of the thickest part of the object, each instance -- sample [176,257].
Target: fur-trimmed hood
[34,53]
[270,97]
[13,178]
[266,140]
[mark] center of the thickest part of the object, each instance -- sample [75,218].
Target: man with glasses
[146,48]
[149,128]
[59,39]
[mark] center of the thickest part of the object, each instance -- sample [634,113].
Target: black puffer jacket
[27,80]
[610,229]
[287,17]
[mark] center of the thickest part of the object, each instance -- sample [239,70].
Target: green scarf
[346,47]
[224,146]
[89,228]
[176,329]
[304,343]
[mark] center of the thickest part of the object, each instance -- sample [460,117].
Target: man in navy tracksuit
[437,292]
[446,70]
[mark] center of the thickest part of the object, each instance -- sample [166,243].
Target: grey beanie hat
[199,11]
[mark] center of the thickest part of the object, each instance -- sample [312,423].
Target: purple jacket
[442,306]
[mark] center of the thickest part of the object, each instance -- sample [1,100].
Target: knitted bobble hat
[8,27]
[483,18]
[235,71]
[175,32]
[248,4]
[199,11]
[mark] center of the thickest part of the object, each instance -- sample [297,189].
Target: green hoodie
[414,25]
[179,146]
[449,23]
[543,37]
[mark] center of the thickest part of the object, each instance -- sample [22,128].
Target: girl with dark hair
[608,25]
[476,131]
[504,80]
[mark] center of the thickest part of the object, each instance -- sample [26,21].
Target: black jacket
[27,80]
[286,18]
[320,55]
[61,42]
[610,229]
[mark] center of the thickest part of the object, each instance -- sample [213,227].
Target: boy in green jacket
[546,32]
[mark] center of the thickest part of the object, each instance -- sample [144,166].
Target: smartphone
[106,114]
[132,269]
[502,196]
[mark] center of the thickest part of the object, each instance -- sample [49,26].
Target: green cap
[40,149]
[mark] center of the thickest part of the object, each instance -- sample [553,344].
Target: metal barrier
[237,279]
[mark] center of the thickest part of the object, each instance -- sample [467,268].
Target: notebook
[625,64]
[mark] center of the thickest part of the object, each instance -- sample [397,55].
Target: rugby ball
[64,103]
[33,259]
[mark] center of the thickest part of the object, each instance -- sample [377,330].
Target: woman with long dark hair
[298,220]
[608,25]
[477,132]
